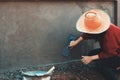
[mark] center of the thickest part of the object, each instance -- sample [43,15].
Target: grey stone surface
[118,19]
[34,33]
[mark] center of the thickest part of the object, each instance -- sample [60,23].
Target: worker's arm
[88,59]
[74,43]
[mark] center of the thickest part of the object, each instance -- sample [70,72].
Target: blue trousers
[107,67]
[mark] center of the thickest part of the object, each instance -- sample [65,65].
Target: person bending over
[95,24]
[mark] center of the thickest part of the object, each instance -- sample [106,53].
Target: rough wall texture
[118,1]
[34,33]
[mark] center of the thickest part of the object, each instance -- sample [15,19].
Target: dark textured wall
[34,33]
[118,12]
[55,0]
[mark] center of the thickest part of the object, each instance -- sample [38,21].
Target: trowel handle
[51,70]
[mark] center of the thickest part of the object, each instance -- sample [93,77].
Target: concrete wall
[34,33]
[118,1]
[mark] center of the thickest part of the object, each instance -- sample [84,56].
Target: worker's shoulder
[114,28]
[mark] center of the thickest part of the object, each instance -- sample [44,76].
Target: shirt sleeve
[106,55]
[88,36]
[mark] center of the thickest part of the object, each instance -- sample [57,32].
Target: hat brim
[104,26]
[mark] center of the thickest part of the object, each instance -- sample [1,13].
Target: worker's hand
[72,44]
[86,59]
